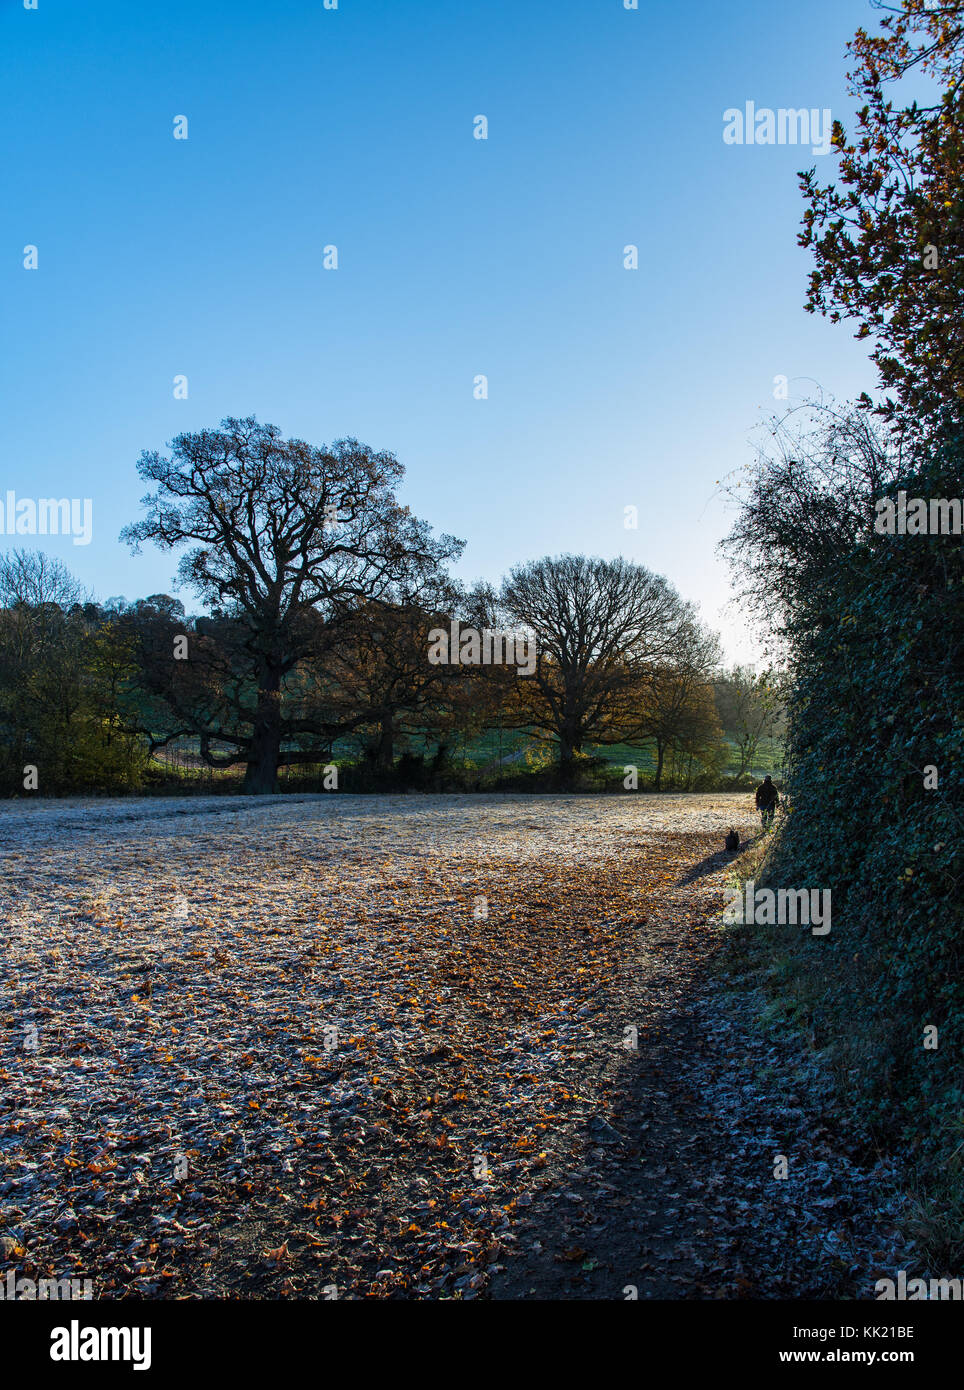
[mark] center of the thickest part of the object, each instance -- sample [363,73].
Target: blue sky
[457,257]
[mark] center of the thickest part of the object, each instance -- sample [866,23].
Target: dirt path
[376,1047]
[674,1195]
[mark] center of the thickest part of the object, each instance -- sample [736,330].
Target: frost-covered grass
[222,1016]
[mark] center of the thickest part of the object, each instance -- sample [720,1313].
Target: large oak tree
[286,540]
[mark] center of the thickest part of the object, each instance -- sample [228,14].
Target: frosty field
[350,1047]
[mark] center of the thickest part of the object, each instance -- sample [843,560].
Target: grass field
[487,753]
[397,1047]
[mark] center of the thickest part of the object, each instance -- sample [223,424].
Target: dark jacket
[766,795]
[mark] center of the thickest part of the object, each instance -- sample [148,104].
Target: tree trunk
[660,751]
[568,748]
[385,751]
[261,776]
[747,752]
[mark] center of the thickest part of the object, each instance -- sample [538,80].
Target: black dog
[732,841]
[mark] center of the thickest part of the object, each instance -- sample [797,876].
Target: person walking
[767,798]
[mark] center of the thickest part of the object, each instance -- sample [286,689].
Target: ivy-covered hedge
[874,782]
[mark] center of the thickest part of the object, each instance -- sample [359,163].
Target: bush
[876,699]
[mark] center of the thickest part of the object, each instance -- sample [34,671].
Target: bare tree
[679,713]
[287,538]
[810,497]
[601,627]
[33,579]
[750,710]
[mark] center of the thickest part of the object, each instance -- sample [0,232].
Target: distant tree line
[319,592]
